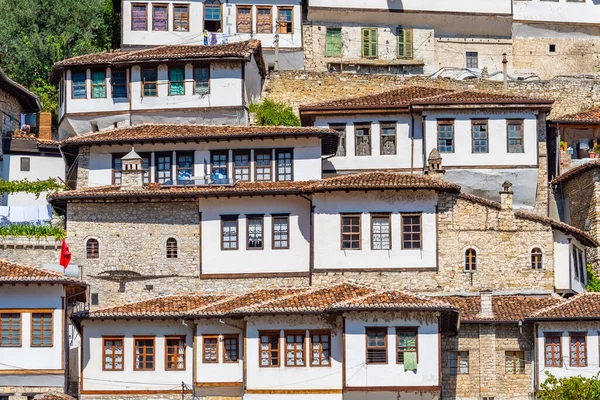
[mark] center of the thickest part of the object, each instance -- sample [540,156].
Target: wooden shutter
[244,20]
[369,42]
[333,45]
[405,42]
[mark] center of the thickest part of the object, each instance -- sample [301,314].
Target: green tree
[576,387]
[274,114]
[593,283]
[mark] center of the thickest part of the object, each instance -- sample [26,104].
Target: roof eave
[317,110]
[138,195]
[478,105]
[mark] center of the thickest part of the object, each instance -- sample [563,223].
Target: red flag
[65,255]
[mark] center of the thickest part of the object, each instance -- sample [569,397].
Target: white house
[173,83]
[276,23]
[268,344]
[34,308]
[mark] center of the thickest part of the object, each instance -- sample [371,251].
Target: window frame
[477,122]
[25,164]
[103,85]
[411,214]
[446,122]
[206,337]
[406,329]
[351,215]
[336,48]
[113,84]
[237,348]
[11,329]
[277,174]
[178,168]
[237,18]
[471,264]
[145,5]
[457,370]
[219,153]
[536,258]
[341,129]
[515,122]
[73,73]
[367,347]
[166,7]
[144,354]
[114,339]
[554,363]
[201,66]
[320,349]
[247,168]
[89,253]
[275,217]
[370,43]
[406,43]
[187,7]
[170,252]
[258,29]
[230,217]
[295,333]
[255,217]
[387,215]
[363,126]
[158,155]
[518,364]
[388,125]
[573,335]
[43,331]
[144,83]
[176,352]
[283,26]
[260,152]
[171,82]
[469,57]
[212,4]
[270,334]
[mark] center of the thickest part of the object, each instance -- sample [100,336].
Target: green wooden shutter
[369,42]
[405,42]
[333,42]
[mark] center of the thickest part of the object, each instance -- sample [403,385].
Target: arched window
[171,248]
[92,248]
[536,258]
[212,16]
[470,260]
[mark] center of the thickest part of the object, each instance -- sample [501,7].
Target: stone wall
[10,113]
[24,393]
[30,251]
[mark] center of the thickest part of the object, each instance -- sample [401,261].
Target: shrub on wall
[32,231]
[575,387]
[270,113]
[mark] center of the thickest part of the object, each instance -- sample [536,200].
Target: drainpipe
[412,139]
[534,359]
[311,262]
[570,265]
[423,131]
[504,73]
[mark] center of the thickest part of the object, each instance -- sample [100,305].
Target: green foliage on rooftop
[34,187]
[593,283]
[576,387]
[270,113]
[32,231]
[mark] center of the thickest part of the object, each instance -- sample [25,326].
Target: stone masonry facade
[10,113]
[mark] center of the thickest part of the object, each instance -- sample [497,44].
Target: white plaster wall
[327,220]
[360,374]
[94,378]
[292,378]
[33,297]
[196,25]
[221,371]
[217,261]
[41,168]
[498,154]
[455,6]
[404,143]
[584,12]
[592,328]
[253,82]
[564,275]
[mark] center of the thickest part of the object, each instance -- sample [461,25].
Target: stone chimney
[506,196]
[434,165]
[486,304]
[132,174]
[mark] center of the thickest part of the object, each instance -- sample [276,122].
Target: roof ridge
[32,267]
[557,305]
[130,303]
[308,290]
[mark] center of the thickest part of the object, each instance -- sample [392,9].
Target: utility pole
[182,390]
[276,58]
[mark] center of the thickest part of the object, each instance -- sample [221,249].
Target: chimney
[504,74]
[45,126]
[132,174]
[486,304]
[506,196]
[434,165]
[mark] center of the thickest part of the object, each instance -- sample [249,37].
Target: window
[320,349]
[284,165]
[472,59]
[536,258]
[264,21]
[171,248]
[405,42]
[230,348]
[210,344]
[229,232]
[201,80]
[254,232]
[241,165]
[78,82]
[363,139]
[113,354]
[218,160]
[10,328]
[176,81]
[181,17]
[341,129]
[333,42]
[139,17]
[212,15]
[163,167]
[95,299]
[185,166]
[552,350]
[160,18]
[445,136]
[578,353]
[380,232]
[286,19]
[470,260]
[575,263]
[459,363]
[281,232]
[119,84]
[515,136]
[92,248]
[244,19]
[514,362]
[388,139]
[376,345]
[369,43]
[149,81]
[294,349]
[41,329]
[262,159]
[582,267]
[98,84]
[351,239]
[411,231]
[144,354]
[552,48]
[175,353]
[269,349]
[406,342]
[479,131]
[25,164]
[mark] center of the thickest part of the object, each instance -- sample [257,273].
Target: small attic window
[552,48]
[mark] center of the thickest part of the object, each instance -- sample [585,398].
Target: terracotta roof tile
[581,306]
[583,237]
[575,172]
[479,200]
[12,273]
[190,132]
[474,97]
[53,396]
[589,116]
[394,299]
[253,297]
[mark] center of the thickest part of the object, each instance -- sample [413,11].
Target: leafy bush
[270,113]
[34,187]
[31,231]
[593,282]
[576,387]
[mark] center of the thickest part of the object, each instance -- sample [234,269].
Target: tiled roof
[238,50]
[382,180]
[589,116]
[254,297]
[479,200]
[504,307]
[473,97]
[575,172]
[27,99]
[53,396]
[580,235]
[581,306]
[40,142]
[394,299]
[14,273]
[191,132]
